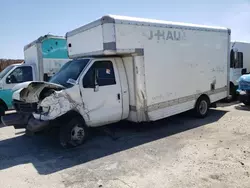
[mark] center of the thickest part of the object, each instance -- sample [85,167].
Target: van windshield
[5,71]
[70,70]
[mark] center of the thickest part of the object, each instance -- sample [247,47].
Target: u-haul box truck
[128,69]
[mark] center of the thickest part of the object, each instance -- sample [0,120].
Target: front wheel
[2,110]
[202,107]
[73,134]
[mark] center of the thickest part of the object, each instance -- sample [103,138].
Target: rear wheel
[74,133]
[202,107]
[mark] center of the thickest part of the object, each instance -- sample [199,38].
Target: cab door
[101,92]
[17,75]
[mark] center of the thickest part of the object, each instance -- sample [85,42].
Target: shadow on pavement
[226,104]
[46,155]
[242,107]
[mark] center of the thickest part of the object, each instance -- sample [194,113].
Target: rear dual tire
[202,107]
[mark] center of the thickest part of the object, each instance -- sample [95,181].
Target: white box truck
[239,64]
[42,59]
[127,68]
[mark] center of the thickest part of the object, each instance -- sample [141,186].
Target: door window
[19,75]
[104,73]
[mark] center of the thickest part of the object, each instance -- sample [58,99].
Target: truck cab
[95,87]
[9,77]
[239,64]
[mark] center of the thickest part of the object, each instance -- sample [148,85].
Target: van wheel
[2,110]
[202,107]
[73,134]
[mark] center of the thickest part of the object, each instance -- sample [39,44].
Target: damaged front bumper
[19,121]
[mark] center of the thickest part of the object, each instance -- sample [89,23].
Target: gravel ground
[180,151]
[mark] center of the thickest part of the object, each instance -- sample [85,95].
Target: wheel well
[4,104]
[203,96]
[67,117]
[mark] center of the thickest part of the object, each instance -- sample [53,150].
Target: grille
[24,107]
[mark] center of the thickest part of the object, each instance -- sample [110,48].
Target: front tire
[74,133]
[2,110]
[202,107]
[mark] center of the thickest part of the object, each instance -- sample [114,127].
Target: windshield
[71,70]
[5,71]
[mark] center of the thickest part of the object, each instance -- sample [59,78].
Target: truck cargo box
[174,63]
[48,53]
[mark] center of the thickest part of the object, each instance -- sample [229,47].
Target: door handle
[118,96]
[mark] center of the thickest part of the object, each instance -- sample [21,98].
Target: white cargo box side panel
[180,64]
[86,41]
[52,66]
[177,62]
[31,55]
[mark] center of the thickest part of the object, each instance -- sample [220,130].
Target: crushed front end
[36,103]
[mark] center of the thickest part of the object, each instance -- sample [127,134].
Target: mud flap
[19,121]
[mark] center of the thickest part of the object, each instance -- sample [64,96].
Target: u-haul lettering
[167,35]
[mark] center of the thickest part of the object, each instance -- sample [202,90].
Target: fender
[6,97]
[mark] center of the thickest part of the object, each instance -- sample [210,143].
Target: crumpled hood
[30,91]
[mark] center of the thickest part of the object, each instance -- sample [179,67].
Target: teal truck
[42,59]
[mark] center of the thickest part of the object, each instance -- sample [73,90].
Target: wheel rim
[77,134]
[203,107]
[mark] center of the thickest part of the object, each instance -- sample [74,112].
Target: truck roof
[42,38]
[238,41]
[145,22]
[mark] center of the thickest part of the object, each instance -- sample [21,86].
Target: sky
[23,21]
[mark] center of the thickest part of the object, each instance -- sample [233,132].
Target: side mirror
[8,80]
